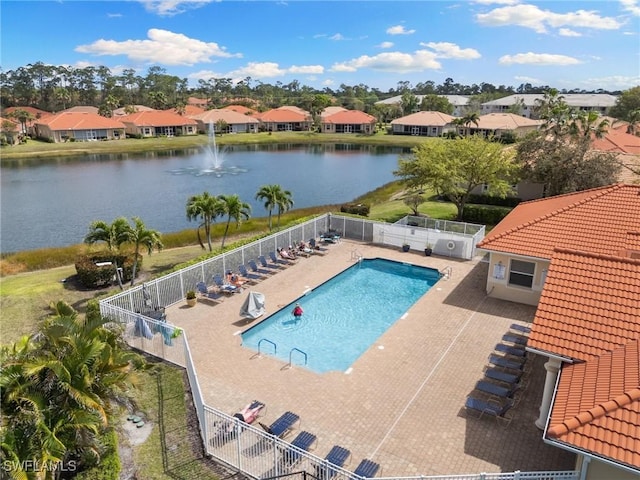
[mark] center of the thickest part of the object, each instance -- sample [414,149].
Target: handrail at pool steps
[275,347]
[297,350]
[446,272]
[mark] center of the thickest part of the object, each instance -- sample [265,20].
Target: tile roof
[240,109]
[229,116]
[617,141]
[349,116]
[156,118]
[32,110]
[504,121]
[597,406]
[78,121]
[424,119]
[598,220]
[82,109]
[118,112]
[15,125]
[328,111]
[189,110]
[589,306]
[284,114]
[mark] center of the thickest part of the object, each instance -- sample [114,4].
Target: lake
[51,203]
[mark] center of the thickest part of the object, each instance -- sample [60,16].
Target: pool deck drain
[403,408]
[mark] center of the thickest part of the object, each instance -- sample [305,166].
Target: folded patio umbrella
[253,306]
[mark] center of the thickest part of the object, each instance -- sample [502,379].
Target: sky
[563,44]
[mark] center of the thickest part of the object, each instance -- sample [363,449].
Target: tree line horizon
[54,88]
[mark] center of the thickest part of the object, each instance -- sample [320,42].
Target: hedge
[484,215]
[356,209]
[93,276]
[491,200]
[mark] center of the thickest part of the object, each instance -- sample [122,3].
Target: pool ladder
[275,347]
[446,272]
[291,354]
[275,350]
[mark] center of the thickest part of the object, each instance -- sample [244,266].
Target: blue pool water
[344,316]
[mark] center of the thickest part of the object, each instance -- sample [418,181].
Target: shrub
[92,275]
[484,215]
[356,209]
[491,200]
[109,465]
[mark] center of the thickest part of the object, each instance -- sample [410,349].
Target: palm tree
[284,202]
[468,119]
[269,194]
[111,234]
[234,208]
[206,208]
[140,235]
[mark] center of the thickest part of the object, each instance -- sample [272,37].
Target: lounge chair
[516,364]
[252,278]
[490,388]
[513,338]
[224,287]
[280,261]
[488,407]
[281,426]
[336,457]
[521,329]
[502,376]
[366,469]
[205,294]
[302,442]
[257,270]
[272,266]
[513,350]
[317,248]
[228,430]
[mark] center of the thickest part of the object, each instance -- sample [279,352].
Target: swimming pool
[343,316]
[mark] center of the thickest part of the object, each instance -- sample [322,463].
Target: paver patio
[402,404]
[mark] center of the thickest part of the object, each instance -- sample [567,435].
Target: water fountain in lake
[214,161]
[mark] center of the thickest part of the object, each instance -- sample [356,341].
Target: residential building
[286,118]
[79,127]
[155,123]
[577,258]
[35,113]
[428,124]
[347,121]
[498,124]
[460,102]
[525,103]
[119,112]
[10,131]
[235,122]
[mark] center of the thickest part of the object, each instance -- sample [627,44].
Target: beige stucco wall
[500,288]
[603,471]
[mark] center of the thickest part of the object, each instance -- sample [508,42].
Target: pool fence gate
[240,446]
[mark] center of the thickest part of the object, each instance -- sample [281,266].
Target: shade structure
[253,306]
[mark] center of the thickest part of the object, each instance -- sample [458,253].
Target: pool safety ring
[451,245]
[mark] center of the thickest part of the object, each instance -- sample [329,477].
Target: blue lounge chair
[521,329]
[257,270]
[516,339]
[302,442]
[493,389]
[317,248]
[224,287]
[516,364]
[281,425]
[513,350]
[279,261]
[494,409]
[336,457]
[205,294]
[502,376]
[272,266]
[251,277]
[366,469]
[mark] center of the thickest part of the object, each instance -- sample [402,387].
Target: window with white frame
[521,273]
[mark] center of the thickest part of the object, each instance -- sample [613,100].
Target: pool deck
[402,403]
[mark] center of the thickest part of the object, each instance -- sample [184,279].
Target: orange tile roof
[188,110]
[15,125]
[32,110]
[597,220]
[229,116]
[426,119]
[240,109]
[597,406]
[328,111]
[349,117]
[590,305]
[156,118]
[82,109]
[78,121]
[504,121]
[617,141]
[284,114]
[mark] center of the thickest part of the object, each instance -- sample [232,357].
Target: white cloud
[531,80]
[531,58]
[258,70]
[162,47]
[328,82]
[501,2]
[306,69]
[614,82]
[399,30]
[172,7]
[337,37]
[385,45]
[114,15]
[205,75]
[451,50]
[629,33]
[530,16]
[391,62]
[567,32]
[631,6]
